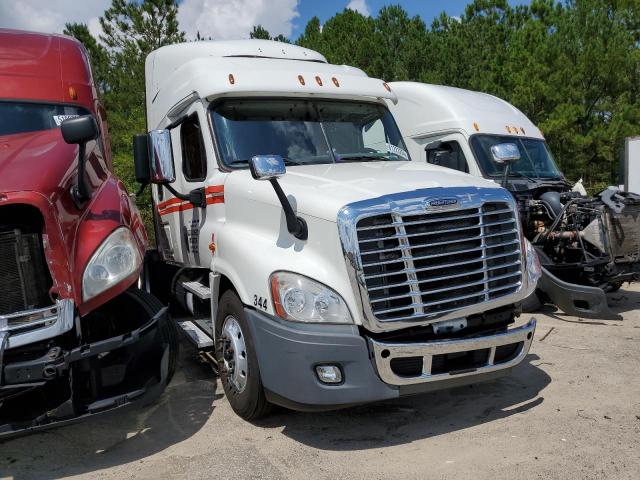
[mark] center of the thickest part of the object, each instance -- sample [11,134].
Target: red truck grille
[24,276]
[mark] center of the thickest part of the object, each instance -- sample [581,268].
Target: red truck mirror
[80,130]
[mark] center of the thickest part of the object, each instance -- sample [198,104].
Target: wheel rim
[234,353]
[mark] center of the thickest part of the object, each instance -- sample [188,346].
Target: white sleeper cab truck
[588,246]
[356,275]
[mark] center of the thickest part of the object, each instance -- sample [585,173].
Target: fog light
[329,373]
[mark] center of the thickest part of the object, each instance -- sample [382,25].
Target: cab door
[196,169]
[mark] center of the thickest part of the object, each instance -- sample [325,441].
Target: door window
[194,156]
[448,154]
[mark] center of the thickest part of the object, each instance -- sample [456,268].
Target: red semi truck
[77,336]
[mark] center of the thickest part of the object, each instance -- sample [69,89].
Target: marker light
[301,79]
[318,80]
[335,81]
[73,94]
[386,86]
[476,126]
[232,79]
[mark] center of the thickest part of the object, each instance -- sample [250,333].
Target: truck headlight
[532,263]
[116,259]
[300,299]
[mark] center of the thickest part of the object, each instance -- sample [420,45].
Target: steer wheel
[237,360]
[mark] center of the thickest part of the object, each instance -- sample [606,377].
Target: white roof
[423,109]
[178,74]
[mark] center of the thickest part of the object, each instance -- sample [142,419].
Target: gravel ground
[571,410]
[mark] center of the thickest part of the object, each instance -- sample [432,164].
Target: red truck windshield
[23,117]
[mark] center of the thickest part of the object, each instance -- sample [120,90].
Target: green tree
[260,33]
[346,38]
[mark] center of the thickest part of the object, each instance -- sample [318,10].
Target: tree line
[572,66]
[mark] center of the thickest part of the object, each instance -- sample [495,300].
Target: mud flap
[577,300]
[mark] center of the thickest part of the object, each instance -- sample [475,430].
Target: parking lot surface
[571,410]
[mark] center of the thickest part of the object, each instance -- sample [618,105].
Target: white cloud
[233,19]
[359,6]
[49,16]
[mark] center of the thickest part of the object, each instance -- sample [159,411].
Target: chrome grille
[430,264]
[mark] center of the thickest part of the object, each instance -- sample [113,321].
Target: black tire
[532,303]
[250,403]
[168,329]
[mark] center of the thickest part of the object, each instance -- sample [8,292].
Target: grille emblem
[441,203]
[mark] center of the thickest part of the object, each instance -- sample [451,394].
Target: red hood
[35,161]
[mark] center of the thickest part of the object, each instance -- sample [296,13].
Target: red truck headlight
[116,259]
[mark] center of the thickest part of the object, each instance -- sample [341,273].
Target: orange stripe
[176,205]
[169,202]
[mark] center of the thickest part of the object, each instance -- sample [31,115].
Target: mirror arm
[196,197]
[176,123]
[80,191]
[505,177]
[295,225]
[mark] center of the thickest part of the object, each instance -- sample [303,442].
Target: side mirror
[161,168]
[267,167]
[271,167]
[141,158]
[79,129]
[505,153]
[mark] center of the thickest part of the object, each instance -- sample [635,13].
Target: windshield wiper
[360,158]
[287,161]
[518,174]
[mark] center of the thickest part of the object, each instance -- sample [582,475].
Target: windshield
[305,132]
[22,117]
[535,161]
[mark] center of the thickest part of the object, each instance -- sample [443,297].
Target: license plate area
[449,326]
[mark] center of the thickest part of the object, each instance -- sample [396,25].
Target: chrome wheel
[234,353]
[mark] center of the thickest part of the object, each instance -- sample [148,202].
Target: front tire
[237,360]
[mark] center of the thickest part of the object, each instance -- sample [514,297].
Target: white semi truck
[358,275]
[588,246]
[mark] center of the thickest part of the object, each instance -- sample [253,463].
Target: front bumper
[125,368]
[488,353]
[288,354]
[31,326]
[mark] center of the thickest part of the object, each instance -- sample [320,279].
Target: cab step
[195,334]
[201,291]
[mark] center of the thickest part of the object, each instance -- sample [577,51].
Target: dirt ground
[571,410]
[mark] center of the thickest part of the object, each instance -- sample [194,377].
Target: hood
[322,190]
[35,161]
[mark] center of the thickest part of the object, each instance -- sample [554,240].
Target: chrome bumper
[30,326]
[385,352]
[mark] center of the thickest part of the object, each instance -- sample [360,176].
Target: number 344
[259,302]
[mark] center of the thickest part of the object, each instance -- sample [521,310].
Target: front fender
[109,209]
[248,254]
